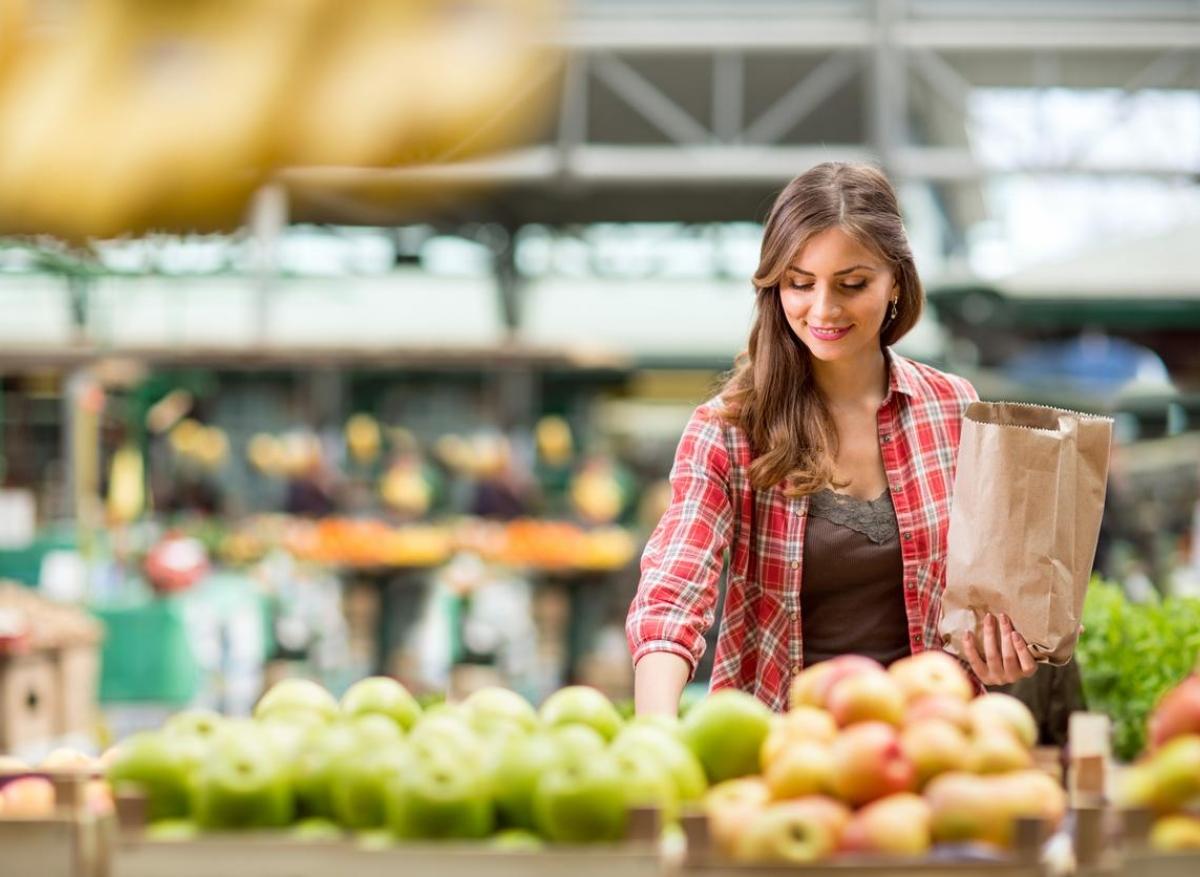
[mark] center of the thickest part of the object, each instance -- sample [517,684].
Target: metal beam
[803,97]
[729,96]
[650,102]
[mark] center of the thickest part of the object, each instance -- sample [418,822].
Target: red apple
[801,768]
[802,724]
[812,686]
[1176,834]
[1177,713]
[869,763]
[931,672]
[1031,794]
[898,825]
[995,710]
[792,832]
[866,697]
[965,807]
[995,750]
[730,805]
[935,746]
[28,798]
[940,706]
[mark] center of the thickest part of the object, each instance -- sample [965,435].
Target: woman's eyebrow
[800,270]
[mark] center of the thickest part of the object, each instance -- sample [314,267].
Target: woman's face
[836,295]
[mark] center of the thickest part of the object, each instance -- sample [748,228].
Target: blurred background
[340,339]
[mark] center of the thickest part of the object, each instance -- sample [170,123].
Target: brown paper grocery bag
[1024,520]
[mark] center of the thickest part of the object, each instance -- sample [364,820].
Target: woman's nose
[825,303]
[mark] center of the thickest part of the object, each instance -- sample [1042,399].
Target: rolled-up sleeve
[681,565]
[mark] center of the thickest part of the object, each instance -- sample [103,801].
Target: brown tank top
[852,595]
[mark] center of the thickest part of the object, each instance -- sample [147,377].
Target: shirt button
[917,638]
[910,584]
[907,536]
[795,564]
[887,437]
[796,670]
[895,488]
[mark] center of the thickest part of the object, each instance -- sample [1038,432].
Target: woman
[825,466]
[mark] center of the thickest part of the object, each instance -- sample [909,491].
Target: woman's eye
[854,285]
[796,285]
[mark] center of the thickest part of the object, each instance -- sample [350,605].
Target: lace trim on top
[874,518]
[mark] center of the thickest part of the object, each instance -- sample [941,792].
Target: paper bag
[1024,521]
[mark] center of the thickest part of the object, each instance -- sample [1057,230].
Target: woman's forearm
[658,681]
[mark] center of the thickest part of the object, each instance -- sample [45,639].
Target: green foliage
[1131,654]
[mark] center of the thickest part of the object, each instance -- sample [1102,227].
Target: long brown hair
[770,393]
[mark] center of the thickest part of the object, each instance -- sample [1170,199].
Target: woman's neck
[853,382]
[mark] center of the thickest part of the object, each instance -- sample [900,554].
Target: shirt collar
[901,377]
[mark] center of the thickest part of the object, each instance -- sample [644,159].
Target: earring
[893,309]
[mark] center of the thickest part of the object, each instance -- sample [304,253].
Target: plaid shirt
[713,509]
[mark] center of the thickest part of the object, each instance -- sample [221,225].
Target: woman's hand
[1006,657]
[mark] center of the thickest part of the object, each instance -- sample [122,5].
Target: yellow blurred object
[145,115]
[364,438]
[185,436]
[597,496]
[607,548]
[149,115]
[455,76]
[126,485]
[265,453]
[211,447]
[453,451]
[554,442]
[405,489]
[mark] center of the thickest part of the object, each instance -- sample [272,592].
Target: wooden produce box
[1138,860]
[274,854]
[703,860]
[73,842]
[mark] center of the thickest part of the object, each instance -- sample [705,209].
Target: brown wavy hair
[770,394]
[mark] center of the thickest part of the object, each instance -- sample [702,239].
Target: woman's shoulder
[926,382]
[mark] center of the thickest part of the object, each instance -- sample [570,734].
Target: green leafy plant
[1130,654]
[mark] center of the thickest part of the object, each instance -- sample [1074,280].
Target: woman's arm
[658,682]
[681,566]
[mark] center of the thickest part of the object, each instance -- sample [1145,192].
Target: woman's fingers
[971,653]
[991,649]
[1008,651]
[1028,662]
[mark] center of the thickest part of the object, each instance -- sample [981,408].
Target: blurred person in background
[824,466]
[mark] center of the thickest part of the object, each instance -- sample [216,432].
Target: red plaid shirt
[713,509]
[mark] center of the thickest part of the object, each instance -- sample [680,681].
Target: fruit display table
[266,856]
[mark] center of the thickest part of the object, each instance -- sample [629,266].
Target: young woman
[824,466]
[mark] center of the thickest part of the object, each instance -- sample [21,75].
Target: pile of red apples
[878,761]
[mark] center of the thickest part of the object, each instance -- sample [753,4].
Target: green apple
[578,740]
[376,729]
[315,830]
[516,840]
[582,705]
[171,830]
[295,697]
[383,695]
[162,766]
[516,768]
[319,761]
[446,730]
[680,762]
[438,798]
[726,730]
[488,708]
[360,784]
[243,782]
[194,723]
[581,800]
[669,724]
[646,782]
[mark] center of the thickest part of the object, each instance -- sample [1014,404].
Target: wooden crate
[77,672]
[72,843]
[269,855]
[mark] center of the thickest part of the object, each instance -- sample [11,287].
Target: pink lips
[827,334]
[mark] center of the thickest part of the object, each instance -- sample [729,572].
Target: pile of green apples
[884,762]
[1166,779]
[377,765]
